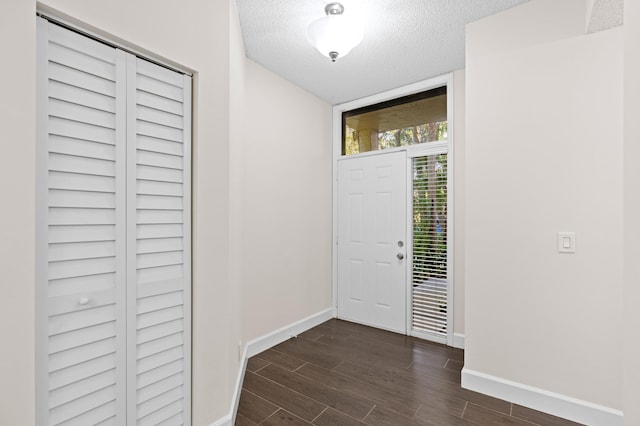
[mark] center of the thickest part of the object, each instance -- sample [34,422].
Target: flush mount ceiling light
[335,34]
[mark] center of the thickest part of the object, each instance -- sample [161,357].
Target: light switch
[566,242]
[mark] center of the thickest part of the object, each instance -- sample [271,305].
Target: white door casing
[371,240]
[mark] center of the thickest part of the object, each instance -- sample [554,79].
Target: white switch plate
[567,242]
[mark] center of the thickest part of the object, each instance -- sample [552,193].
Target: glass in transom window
[410,120]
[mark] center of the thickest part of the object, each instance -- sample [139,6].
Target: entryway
[393,209]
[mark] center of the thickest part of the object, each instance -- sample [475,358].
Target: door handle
[400,256]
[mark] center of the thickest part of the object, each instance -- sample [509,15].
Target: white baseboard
[236,392]
[265,342]
[542,400]
[458,340]
[225,421]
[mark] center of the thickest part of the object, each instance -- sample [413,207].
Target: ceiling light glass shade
[335,35]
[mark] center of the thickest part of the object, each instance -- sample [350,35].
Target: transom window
[410,120]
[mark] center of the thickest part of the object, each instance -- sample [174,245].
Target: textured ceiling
[405,41]
[605,14]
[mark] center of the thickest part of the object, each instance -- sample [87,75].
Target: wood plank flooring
[341,373]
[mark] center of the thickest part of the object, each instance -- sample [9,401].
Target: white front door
[371,240]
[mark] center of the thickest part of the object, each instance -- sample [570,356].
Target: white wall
[17,212]
[237,60]
[263,218]
[459,273]
[632,212]
[544,154]
[193,34]
[533,23]
[287,206]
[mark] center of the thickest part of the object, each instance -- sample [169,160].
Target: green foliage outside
[430,218]
[430,132]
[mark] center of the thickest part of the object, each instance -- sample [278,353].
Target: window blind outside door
[430,246]
[103,326]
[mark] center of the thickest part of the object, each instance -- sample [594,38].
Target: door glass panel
[429,269]
[410,120]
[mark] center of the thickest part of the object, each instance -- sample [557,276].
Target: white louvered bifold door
[113,236]
[430,246]
[159,102]
[81,232]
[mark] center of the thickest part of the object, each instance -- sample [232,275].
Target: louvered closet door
[81,233]
[113,274]
[158,186]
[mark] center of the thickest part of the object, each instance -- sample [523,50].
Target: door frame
[412,152]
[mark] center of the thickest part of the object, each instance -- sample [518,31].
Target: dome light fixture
[334,35]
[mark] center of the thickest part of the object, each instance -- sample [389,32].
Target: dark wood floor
[341,373]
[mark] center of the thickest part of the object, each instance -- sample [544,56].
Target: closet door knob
[83,301]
